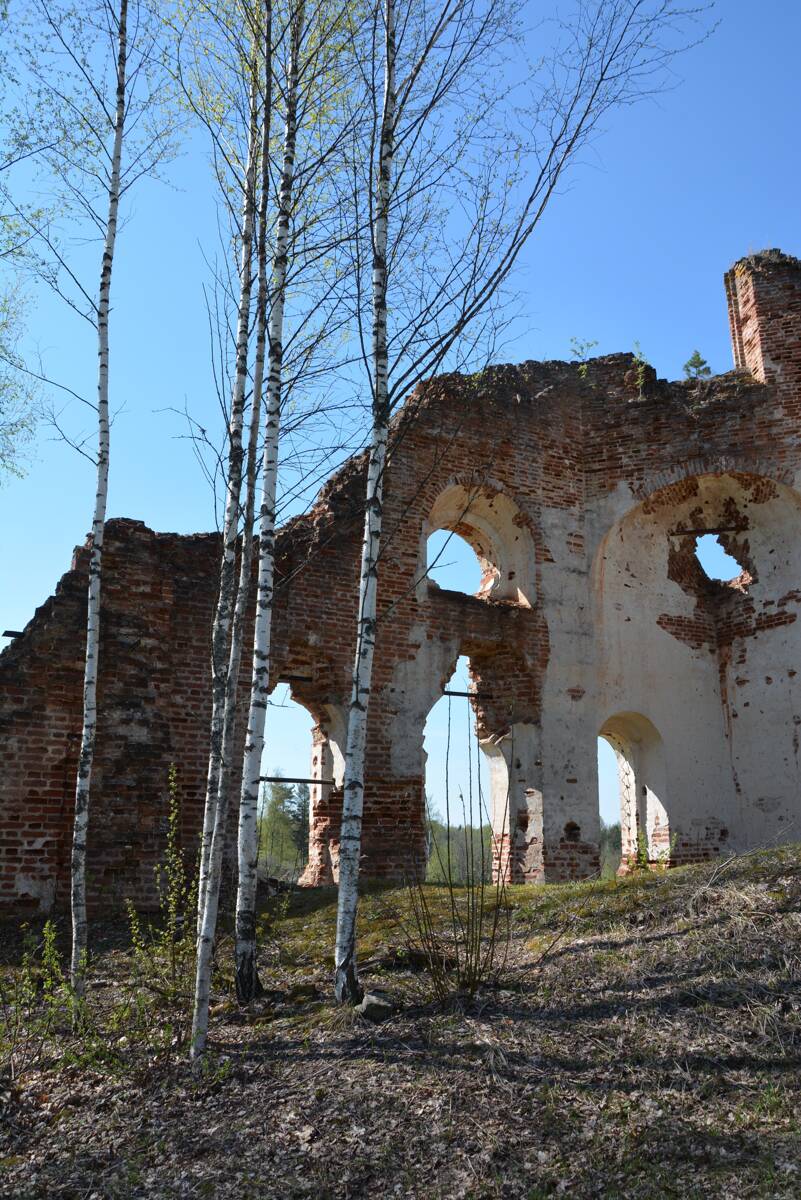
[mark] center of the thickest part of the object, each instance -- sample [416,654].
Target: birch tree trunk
[247,980]
[224,695]
[86,758]
[225,598]
[346,980]
[447,55]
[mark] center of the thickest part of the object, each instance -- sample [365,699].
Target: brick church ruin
[583,489]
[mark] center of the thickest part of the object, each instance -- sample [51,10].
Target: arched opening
[641,786]
[303,757]
[457,785]
[498,532]
[284,802]
[452,563]
[609,804]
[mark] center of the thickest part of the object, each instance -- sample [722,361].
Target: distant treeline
[283,829]
[469,850]
[461,853]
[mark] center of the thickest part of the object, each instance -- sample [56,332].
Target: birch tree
[224,66]
[299,61]
[230,529]
[346,978]
[244,56]
[247,981]
[86,756]
[90,117]
[316,81]
[224,653]
[445,142]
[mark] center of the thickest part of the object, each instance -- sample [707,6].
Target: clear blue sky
[634,249]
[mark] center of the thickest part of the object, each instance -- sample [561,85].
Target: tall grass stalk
[468,947]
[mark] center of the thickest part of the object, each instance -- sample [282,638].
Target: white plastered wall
[728,723]
[763,679]
[567,763]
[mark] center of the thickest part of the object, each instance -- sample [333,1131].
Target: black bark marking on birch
[346,985]
[86,755]
[246,978]
[224,607]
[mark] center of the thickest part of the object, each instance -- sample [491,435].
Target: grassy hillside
[643,1040]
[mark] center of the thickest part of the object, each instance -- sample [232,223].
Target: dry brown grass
[654,1051]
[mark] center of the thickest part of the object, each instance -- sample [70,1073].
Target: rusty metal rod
[290,779]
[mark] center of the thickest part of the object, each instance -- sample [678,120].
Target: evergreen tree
[697,367]
[299,816]
[276,830]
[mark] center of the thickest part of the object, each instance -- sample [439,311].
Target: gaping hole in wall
[714,560]
[452,563]
[456,787]
[609,804]
[714,566]
[284,802]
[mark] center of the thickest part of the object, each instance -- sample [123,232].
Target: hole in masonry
[715,562]
[572,832]
[452,563]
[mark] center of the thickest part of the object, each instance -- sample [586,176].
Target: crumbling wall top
[766,260]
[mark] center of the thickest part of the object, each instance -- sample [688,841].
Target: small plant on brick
[581,350]
[696,367]
[646,859]
[663,858]
[640,364]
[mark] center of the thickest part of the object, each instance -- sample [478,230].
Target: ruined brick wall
[152,705]
[582,491]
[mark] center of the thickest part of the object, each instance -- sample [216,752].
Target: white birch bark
[86,758]
[346,980]
[247,981]
[225,598]
[225,690]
